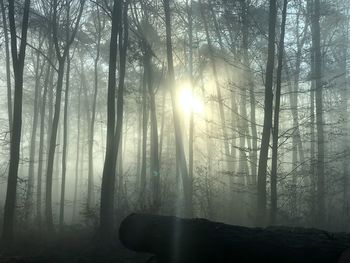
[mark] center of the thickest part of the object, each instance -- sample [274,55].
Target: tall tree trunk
[90,189]
[139,130]
[154,167]
[77,159]
[316,49]
[312,205]
[81,175]
[123,45]
[18,65]
[209,159]
[312,153]
[250,83]
[65,147]
[293,98]
[275,133]
[49,129]
[243,132]
[189,7]
[56,181]
[65,130]
[143,180]
[61,57]
[119,182]
[108,176]
[50,109]
[218,90]
[232,148]
[235,182]
[162,126]
[91,195]
[345,96]
[264,149]
[119,27]
[29,202]
[52,147]
[180,151]
[41,141]
[313,136]
[7,63]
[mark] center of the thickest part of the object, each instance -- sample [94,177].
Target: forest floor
[71,246]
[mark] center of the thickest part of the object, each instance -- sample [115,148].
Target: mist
[235,112]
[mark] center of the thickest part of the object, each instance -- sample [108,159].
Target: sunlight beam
[188,102]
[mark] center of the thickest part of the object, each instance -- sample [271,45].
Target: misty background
[191,138]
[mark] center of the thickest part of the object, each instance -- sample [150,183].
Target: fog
[175,118]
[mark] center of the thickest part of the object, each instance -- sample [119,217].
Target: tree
[114,128]
[145,113]
[293,98]
[189,7]
[148,83]
[30,186]
[218,90]
[180,151]
[317,75]
[42,135]
[265,140]
[61,57]
[65,144]
[75,198]
[250,83]
[99,25]
[275,132]
[154,168]
[18,57]
[8,70]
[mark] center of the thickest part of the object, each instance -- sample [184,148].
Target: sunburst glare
[188,101]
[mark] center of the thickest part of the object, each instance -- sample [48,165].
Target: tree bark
[18,66]
[75,198]
[275,133]
[61,57]
[218,90]
[7,63]
[243,118]
[312,171]
[91,195]
[119,28]
[250,83]
[145,114]
[108,176]
[265,140]
[154,167]
[317,74]
[191,132]
[180,151]
[52,147]
[65,147]
[29,202]
[345,118]
[177,240]
[293,98]
[139,100]
[41,145]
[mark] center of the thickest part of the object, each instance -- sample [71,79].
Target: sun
[188,102]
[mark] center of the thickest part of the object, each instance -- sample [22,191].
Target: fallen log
[176,240]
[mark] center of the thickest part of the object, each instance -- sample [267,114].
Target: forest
[232,111]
